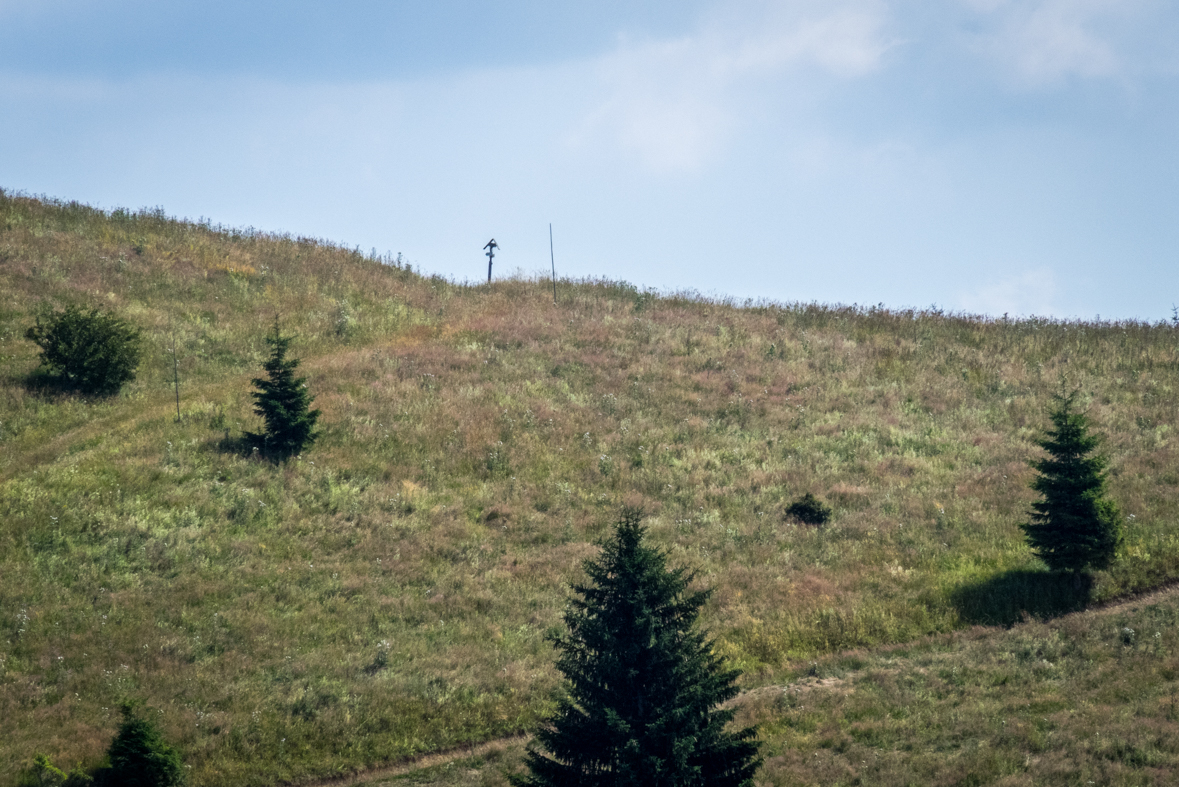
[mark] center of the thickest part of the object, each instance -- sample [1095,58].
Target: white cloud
[672,103]
[1041,42]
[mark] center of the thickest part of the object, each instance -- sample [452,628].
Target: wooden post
[176,375]
[553,260]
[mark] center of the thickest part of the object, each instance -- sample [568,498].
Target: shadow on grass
[250,446]
[240,445]
[43,384]
[1008,598]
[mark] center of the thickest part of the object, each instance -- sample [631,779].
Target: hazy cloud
[672,103]
[1029,293]
[1041,42]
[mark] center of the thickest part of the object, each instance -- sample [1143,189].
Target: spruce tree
[283,402]
[1075,526]
[139,757]
[642,684]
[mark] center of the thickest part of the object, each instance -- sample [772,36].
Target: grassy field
[389,592]
[1085,699]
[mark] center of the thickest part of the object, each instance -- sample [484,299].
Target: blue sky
[986,156]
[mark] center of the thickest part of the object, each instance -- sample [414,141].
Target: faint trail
[409,765]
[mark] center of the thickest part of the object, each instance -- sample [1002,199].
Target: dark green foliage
[139,757]
[809,510]
[642,684]
[284,404]
[1074,526]
[93,351]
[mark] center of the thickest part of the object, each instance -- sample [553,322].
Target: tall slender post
[553,260]
[176,375]
[491,247]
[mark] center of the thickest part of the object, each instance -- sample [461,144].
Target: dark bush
[93,351]
[809,510]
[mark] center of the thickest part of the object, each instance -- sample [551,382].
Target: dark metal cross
[491,247]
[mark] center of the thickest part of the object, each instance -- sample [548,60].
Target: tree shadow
[43,384]
[249,445]
[48,386]
[243,445]
[1013,596]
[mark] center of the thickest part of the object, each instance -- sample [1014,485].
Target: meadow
[389,592]
[1089,698]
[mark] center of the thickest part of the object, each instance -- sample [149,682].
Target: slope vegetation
[389,592]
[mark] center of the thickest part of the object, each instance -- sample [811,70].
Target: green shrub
[42,773]
[93,351]
[809,510]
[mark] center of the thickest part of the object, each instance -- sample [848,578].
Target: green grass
[1087,699]
[389,592]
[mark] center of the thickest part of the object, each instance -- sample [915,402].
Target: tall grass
[389,592]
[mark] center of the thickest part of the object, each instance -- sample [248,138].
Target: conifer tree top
[642,684]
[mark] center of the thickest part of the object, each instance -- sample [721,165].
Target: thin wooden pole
[553,260]
[176,375]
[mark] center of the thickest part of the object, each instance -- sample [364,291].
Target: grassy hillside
[389,592]
[1089,698]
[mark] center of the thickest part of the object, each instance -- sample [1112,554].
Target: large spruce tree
[1075,526]
[642,685]
[283,402]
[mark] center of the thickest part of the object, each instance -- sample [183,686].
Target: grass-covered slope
[389,592]
[1087,698]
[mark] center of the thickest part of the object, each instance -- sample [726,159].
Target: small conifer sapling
[642,684]
[139,756]
[283,402]
[1074,526]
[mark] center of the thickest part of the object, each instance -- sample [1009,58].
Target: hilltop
[389,592]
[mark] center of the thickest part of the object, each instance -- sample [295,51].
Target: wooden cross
[491,247]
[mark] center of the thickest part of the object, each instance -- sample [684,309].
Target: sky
[979,156]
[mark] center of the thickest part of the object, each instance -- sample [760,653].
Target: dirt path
[403,767]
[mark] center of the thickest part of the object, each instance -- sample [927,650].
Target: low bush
[93,351]
[809,510]
[42,773]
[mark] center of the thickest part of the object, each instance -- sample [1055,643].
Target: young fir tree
[642,684]
[1074,526]
[283,402]
[139,757]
